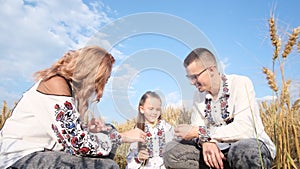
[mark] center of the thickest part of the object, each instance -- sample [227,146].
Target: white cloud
[173,99]
[36,33]
[266,98]
[223,64]
[123,75]
[295,90]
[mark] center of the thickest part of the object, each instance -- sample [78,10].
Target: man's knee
[168,154]
[249,153]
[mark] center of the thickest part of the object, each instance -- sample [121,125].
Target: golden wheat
[284,125]
[6,113]
[271,79]
[285,95]
[296,105]
[276,41]
[291,42]
[273,33]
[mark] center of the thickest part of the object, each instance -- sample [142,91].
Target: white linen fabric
[242,106]
[30,129]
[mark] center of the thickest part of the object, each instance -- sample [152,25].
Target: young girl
[158,133]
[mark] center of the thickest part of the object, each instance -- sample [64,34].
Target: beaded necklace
[161,138]
[223,102]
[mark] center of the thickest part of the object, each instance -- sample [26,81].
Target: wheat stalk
[5,114]
[277,49]
[285,95]
[276,41]
[291,42]
[296,105]
[271,79]
[273,31]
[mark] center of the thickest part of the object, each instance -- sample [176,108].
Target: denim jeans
[62,160]
[243,154]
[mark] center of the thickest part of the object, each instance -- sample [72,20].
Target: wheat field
[281,116]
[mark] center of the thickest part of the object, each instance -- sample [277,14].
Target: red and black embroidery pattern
[160,135]
[74,138]
[224,105]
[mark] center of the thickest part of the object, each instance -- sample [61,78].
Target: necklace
[160,135]
[223,102]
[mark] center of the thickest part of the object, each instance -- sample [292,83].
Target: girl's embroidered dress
[156,139]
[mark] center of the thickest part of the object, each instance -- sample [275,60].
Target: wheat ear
[291,42]
[276,42]
[271,79]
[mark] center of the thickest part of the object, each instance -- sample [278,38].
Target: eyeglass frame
[196,76]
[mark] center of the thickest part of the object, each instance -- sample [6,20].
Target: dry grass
[4,114]
[281,117]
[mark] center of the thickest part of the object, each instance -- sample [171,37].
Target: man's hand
[186,132]
[212,155]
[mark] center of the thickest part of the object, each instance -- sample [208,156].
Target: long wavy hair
[86,70]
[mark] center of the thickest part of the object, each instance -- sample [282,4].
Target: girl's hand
[143,155]
[134,135]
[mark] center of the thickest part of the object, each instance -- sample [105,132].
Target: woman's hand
[97,125]
[134,135]
[186,131]
[212,155]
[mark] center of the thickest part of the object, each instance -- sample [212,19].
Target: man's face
[198,76]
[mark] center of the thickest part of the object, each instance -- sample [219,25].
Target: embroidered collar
[160,135]
[223,103]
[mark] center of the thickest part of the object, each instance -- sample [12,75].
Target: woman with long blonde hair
[48,129]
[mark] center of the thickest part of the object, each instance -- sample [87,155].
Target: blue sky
[149,40]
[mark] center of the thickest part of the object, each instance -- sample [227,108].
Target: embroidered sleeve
[75,139]
[203,135]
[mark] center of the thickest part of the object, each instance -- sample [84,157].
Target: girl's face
[151,110]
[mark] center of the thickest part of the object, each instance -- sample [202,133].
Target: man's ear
[211,68]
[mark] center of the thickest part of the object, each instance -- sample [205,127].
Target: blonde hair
[86,70]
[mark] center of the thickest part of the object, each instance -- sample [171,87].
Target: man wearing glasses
[226,129]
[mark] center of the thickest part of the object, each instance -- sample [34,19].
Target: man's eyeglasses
[195,76]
